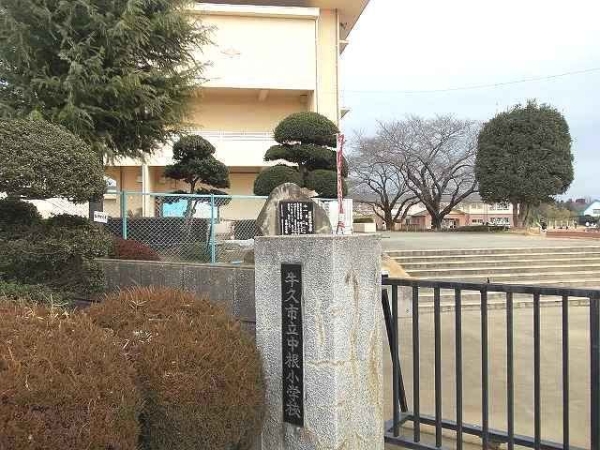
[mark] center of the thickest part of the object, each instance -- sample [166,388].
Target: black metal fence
[490,438]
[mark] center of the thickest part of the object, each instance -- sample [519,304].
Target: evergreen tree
[524,157]
[117,73]
[308,141]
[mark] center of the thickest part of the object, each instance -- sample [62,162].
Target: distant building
[592,210]
[472,211]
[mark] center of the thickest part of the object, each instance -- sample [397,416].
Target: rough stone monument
[268,220]
[318,327]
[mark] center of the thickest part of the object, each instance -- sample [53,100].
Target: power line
[480,86]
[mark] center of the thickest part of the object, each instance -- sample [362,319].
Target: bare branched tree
[373,177]
[436,158]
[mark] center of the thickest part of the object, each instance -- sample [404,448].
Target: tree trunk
[523,214]
[436,222]
[389,220]
[516,215]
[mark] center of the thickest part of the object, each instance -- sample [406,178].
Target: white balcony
[235,149]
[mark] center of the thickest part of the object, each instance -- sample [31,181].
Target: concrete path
[550,369]
[459,240]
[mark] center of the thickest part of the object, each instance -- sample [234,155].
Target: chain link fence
[195,228]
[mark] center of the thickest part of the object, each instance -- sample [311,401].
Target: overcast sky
[426,45]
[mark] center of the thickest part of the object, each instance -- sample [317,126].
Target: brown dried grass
[200,374]
[64,383]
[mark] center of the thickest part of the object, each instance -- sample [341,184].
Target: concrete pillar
[342,341]
[147,200]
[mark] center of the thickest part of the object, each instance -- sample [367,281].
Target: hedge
[30,294]
[199,372]
[64,384]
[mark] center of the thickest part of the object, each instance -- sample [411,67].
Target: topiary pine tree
[308,140]
[196,165]
[119,74]
[524,157]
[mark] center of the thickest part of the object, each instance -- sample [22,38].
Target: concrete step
[461,262]
[447,296]
[492,272]
[496,257]
[500,303]
[533,278]
[492,251]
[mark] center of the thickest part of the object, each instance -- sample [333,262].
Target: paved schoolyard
[464,240]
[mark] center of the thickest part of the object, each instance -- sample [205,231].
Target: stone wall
[231,286]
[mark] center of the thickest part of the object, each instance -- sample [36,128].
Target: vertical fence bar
[395,360]
[510,382]
[416,362]
[124,214]
[537,398]
[565,369]
[213,249]
[484,371]
[458,351]
[438,366]
[595,372]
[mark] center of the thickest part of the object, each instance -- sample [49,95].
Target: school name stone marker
[292,344]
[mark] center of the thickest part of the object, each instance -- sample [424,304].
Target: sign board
[100,216]
[292,344]
[296,217]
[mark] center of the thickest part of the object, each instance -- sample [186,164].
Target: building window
[499,207]
[111,185]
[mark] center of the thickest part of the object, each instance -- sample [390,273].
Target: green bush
[41,160]
[64,384]
[200,374]
[274,176]
[325,183]
[15,213]
[68,221]
[133,251]
[58,257]
[480,229]
[39,294]
[364,220]
[308,128]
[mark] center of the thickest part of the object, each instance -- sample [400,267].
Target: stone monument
[318,327]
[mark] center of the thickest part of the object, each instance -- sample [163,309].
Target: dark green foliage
[307,128]
[195,164]
[479,229]
[364,220]
[274,176]
[306,139]
[65,383]
[132,251]
[325,183]
[58,257]
[524,156]
[15,213]
[68,221]
[196,252]
[27,293]
[118,73]
[39,160]
[200,374]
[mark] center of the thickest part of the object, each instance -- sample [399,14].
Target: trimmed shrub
[30,294]
[480,229]
[68,221]
[308,128]
[195,252]
[274,176]
[200,374]
[60,258]
[65,384]
[325,183]
[133,251]
[364,220]
[15,213]
[41,160]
